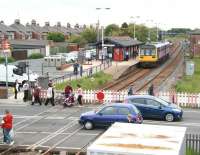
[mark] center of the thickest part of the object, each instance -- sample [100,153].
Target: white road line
[54,117]
[21,116]
[191,111]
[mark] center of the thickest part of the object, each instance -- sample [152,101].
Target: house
[21,32]
[194,38]
[117,47]
[63,30]
[6,32]
[35,30]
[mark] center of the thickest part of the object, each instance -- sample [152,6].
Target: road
[45,126]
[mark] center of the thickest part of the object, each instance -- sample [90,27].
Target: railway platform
[119,67]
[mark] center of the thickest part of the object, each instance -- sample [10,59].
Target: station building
[117,47]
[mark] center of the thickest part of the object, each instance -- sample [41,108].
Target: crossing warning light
[5,45]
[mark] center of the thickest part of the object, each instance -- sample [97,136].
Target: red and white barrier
[183,99]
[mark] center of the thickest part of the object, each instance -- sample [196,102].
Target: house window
[198,42]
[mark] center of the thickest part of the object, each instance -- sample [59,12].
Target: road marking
[54,117]
[73,118]
[12,105]
[191,111]
[21,116]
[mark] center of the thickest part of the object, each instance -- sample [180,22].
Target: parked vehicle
[109,114]
[15,73]
[154,107]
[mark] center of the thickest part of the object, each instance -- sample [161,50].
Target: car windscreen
[162,101]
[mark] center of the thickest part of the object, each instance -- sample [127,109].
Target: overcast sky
[168,13]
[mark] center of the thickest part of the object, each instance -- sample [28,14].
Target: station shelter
[117,48]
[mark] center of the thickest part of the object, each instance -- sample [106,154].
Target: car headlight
[176,110]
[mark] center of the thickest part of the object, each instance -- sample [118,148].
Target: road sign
[100,95]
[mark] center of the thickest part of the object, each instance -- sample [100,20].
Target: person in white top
[50,95]
[80,95]
[26,89]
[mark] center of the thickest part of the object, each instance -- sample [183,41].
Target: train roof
[156,44]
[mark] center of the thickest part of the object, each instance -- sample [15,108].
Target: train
[153,54]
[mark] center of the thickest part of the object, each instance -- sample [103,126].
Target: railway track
[134,76]
[163,75]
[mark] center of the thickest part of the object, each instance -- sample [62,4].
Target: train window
[147,52]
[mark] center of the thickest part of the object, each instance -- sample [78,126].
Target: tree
[56,37]
[90,35]
[124,25]
[78,39]
[112,30]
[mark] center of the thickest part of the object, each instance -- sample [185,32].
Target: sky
[165,14]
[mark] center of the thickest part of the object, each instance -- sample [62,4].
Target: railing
[193,144]
[181,99]
[85,73]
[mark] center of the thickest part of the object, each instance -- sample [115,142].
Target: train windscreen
[147,52]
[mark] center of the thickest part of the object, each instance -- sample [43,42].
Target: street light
[149,33]
[136,17]
[102,34]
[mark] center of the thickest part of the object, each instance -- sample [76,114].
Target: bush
[35,56]
[10,59]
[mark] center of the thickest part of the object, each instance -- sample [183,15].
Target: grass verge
[190,84]
[87,83]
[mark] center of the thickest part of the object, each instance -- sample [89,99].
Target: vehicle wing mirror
[100,113]
[160,106]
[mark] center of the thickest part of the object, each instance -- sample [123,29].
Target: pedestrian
[151,90]
[127,56]
[81,70]
[80,95]
[130,90]
[90,72]
[36,95]
[50,95]
[16,88]
[68,90]
[7,124]
[26,89]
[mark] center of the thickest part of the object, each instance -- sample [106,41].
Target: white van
[15,73]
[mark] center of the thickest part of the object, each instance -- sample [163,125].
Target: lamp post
[149,33]
[102,34]
[134,22]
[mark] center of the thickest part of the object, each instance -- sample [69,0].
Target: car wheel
[169,117]
[88,125]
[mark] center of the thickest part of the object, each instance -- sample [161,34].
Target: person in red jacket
[7,124]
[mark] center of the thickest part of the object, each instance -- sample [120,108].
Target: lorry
[15,73]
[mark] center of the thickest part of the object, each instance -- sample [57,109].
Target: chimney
[76,26]
[58,24]
[33,22]
[68,25]
[17,21]
[47,24]
[84,26]
[27,24]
